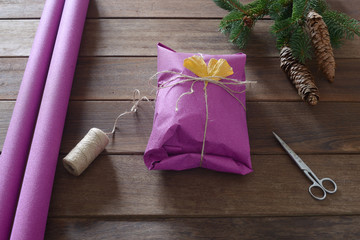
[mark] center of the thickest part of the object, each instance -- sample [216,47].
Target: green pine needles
[289,26]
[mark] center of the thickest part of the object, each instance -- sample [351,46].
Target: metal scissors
[317,183]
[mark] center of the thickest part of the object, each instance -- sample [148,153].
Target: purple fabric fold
[18,139]
[34,199]
[176,139]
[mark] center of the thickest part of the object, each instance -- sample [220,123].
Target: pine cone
[320,38]
[300,76]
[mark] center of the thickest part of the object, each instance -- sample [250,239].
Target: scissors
[317,183]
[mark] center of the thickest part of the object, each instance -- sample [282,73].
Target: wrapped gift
[200,114]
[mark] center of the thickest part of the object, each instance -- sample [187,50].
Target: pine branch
[233,16]
[301,45]
[240,36]
[238,33]
[230,5]
[289,16]
[282,30]
[234,25]
[257,8]
[280,10]
[340,27]
[238,24]
[292,39]
[283,25]
[302,7]
[349,25]
[299,8]
[318,6]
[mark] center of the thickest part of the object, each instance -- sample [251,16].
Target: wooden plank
[149,8]
[121,186]
[138,37]
[21,8]
[104,78]
[323,129]
[127,8]
[156,8]
[206,228]
[11,73]
[6,109]
[17,37]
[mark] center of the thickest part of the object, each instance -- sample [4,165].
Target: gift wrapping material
[34,199]
[85,152]
[17,142]
[198,124]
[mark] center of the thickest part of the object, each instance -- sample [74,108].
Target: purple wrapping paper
[17,142]
[176,139]
[33,205]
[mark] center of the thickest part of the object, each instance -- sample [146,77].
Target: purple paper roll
[17,142]
[33,205]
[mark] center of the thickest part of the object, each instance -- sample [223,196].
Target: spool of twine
[94,142]
[84,153]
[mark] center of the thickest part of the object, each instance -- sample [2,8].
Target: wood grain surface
[138,37]
[118,186]
[326,128]
[117,77]
[295,228]
[117,197]
[147,9]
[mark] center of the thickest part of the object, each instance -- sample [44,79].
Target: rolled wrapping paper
[34,199]
[17,142]
[84,153]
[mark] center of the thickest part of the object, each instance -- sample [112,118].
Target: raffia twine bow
[213,72]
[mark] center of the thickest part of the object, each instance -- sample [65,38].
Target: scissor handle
[322,187]
[316,185]
[321,182]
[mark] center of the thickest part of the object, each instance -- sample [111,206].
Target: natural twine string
[94,142]
[183,78]
[206,123]
[136,101]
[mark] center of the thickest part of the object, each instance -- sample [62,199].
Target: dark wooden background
[118,198]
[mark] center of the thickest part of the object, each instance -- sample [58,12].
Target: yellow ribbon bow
[215,70]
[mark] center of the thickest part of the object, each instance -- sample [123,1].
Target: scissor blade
[292,154]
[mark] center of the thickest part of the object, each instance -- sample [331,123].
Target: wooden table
[118,198]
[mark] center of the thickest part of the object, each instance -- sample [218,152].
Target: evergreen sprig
[301,44]
[340,27]
[289,23]
[230,5]
[234,17]
[239,22]
[298,11]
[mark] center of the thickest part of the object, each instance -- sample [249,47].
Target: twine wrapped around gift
[213,72]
